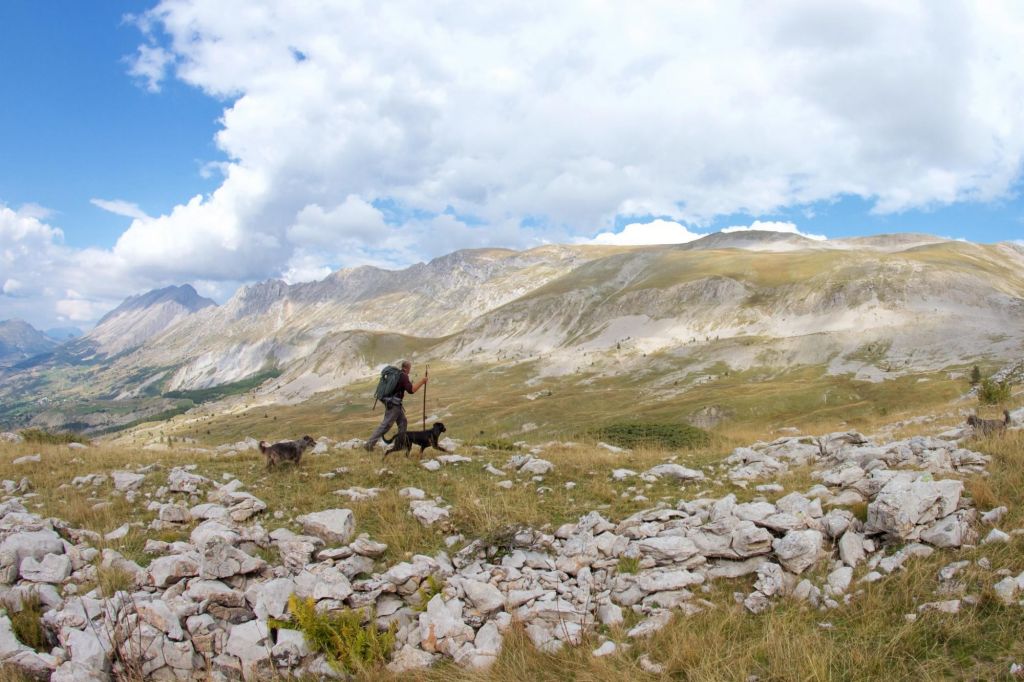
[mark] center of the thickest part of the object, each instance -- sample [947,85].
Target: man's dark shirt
[403,385]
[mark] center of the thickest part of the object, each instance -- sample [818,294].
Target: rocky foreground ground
[207,608]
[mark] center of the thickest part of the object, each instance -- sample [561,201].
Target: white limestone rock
[798,550]
[127,480]
[483,596]
[650,625]
[904,503]
[53,569]
[332,525]
[250,643]
[675,471]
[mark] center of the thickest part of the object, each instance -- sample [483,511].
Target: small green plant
[975,376]
[652,434]
[430,587]
[27,622]
[47,438]
[349,645]
[992,392]
[628,564]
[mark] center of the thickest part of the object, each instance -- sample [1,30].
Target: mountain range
[871,308]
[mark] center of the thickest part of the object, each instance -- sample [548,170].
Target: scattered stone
[675,471]
[126,480]
[951,606]
[995,535]
[649,666]
[994,516]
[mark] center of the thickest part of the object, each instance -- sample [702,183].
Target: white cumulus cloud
[655,232]
[569,116]
[773,226]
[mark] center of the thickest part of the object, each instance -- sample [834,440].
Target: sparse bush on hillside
[47,438]
[975,376]
[650,434]
[993,392]
[349,646]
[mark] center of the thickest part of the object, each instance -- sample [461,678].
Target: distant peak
[184,295]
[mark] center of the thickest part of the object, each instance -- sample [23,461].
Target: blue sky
[235,141]
[75,126]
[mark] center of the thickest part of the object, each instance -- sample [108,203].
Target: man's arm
[421,383]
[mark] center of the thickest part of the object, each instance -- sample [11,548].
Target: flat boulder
[331,525]
[675,471]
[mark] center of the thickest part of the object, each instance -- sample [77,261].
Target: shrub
[629,564]
[348,645]
[634,434]
[47,438]
[975,376]
[993,392]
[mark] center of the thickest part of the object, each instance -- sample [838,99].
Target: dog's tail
[389,441]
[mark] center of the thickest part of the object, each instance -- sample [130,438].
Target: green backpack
[388,384]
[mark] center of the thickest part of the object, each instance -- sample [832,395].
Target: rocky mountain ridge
[868,307]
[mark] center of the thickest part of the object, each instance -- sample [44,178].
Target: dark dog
[286,450]
[425,439]
[987,427]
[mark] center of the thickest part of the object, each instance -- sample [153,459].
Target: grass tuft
[27,622]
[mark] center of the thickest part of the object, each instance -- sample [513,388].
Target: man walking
[393,410]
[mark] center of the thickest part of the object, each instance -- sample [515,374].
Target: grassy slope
[868,640]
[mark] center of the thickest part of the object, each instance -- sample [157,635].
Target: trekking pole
[426,375]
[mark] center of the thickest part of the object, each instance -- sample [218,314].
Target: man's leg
[403,423]
[390,415]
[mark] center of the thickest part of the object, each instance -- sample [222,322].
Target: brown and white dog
[285,450]
[425,439]
[987,427]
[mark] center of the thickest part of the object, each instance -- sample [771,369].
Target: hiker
[393,410]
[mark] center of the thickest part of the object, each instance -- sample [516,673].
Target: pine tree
[975,376]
